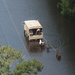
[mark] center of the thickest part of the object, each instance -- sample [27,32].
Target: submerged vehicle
[33,30]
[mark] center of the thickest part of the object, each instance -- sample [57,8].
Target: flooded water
[58,31]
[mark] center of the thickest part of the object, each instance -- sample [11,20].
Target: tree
[7,56]
[28,68]
[67,7]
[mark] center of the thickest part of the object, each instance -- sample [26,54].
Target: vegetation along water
[67,7]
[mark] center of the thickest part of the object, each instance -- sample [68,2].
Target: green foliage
[7,56]
[28,68]
[67,7]
[4,68]
[24,74]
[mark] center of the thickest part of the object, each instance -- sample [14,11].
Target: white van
[33,30]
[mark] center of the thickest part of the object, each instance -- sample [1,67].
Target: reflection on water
[33,46]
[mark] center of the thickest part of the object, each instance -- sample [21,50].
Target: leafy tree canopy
[28,68]
[67,7]
[9,55]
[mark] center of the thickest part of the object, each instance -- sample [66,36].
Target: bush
[28,67]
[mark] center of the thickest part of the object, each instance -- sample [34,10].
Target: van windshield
[35,31]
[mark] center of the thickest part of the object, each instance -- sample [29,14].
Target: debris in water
[58,55]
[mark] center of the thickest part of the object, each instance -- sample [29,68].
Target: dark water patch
[34,47]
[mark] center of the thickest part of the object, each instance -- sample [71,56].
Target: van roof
[32,24]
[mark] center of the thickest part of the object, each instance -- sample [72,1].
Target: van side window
[39,31]
[31,32]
